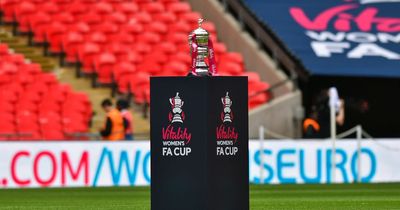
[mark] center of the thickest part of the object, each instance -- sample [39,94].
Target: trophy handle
[223,101]
[170,101]
[182,103]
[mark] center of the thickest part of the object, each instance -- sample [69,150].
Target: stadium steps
[67,75]
[18,44]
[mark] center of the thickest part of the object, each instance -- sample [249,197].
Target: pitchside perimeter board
[199,143]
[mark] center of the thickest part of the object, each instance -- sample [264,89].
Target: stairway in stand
[67,75]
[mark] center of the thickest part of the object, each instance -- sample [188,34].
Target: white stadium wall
[93,164]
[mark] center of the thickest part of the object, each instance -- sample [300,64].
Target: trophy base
[202,74]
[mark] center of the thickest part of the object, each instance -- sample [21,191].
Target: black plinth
[199,143]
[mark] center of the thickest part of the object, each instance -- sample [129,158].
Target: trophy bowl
[202,37]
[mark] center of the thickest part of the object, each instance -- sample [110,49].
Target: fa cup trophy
[227,102]
[201,47]
[176,104]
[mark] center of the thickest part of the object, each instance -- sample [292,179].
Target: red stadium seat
[64,18]
[123,38]
[179,7]
[71,43]
[30,68]
[103,8]
[23,12]
[230,68]
[156,57]
[167,48]
[74,124]
[153,7]
[148,38]
[156,27]
[233,57]
[8,8]
[132,57]
[50,105]
[91,18]
[63,3]
[175,68]
[124,83]
[8,97]
[50,8]
[219,48]
[180,27]
[86,54]
[37,87]
[79,27]
[132,28]
[23,78]
[77,8]
[257,100]
[128,8]
[117,18]
[191,18]
[177,38]
[54,35]
[166,2]
[3,49]
[182,57]
[17,59]
[165,17]
[104,65]
[149,67]
[97,38]
[51,134]
[47,78]
[106,28]
[123,69]
[6,116]
[9,68]
[38,23]
[141,17]
[253,77]
[137,82]
[142,48]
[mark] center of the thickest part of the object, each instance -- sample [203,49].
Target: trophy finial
[177,95]
[200,21]
[227,93]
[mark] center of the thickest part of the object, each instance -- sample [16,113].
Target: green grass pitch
[350,196]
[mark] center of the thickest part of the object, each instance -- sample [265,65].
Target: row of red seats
[123,42]
[34,105]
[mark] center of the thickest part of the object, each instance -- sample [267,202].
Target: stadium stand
[122,43]
[35,106]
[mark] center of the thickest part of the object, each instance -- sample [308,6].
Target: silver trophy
[177,104]
[227,102]
[202,37]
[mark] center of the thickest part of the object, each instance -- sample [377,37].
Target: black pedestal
[199,143]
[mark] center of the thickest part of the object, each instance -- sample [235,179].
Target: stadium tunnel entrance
[370,102]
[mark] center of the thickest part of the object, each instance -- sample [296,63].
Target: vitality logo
[226,132]
[175,136]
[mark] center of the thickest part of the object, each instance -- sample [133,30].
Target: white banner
[307,161]
[92,164]
[73,164]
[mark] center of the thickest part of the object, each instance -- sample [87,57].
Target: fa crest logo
[226,114]
[177,114]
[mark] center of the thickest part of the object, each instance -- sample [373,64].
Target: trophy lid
[200,31]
